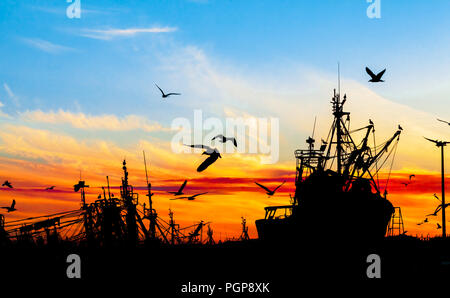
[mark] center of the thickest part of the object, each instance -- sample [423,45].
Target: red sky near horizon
[229,197]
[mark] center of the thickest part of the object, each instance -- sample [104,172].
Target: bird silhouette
[213,153]
[438,226]
[375,78]
[438,208]
[399,127]
[209,161]
[164,95]
[99,196]
[7,183]
[444,121]
[208,150]
[438,143]
[437,198]
[190,198]
[12,207]
[268,191]
[50,188]
[180,190]
[426,220]
[224,139]
[370,122]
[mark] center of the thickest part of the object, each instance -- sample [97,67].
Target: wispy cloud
[46,46]
[111,33]
[11,94]
[8,90]
[90,122]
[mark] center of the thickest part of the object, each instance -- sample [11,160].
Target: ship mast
[152,213]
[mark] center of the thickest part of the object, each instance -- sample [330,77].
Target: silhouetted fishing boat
[337,190]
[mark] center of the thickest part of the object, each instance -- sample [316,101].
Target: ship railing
[271,212]
[304,153]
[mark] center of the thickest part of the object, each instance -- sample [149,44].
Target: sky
[78,94]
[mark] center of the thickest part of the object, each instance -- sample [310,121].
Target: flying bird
[444,121]
[164,95]
[190,198]
[12,207]
[209,161]
[437,197]
[224,139]
[180,190]
[438,208]
[208,150]
[50,188]
[408,183]
[213,153]
[7,183]
[438,143]
[375,78]
[268,191]
[80,185]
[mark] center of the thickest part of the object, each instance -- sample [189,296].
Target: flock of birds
[436,211]
[12,207]
[214,155]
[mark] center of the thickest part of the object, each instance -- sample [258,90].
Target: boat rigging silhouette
[336,194]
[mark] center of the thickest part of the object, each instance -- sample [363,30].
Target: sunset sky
[79,95]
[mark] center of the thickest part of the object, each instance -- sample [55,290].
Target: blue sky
[50,62]
[411,37]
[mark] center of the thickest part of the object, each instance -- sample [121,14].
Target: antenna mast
[339,80]
[152,213]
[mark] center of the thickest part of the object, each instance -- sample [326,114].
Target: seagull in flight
[438,143]
[164,95]
[7,183]
[190,198]
[180,190]
[268,191]
[12,207]
[50,188]
[224,139]
[213,153]
[208,150]
[375,77]
[436,197]
[444,121]
[408,183]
